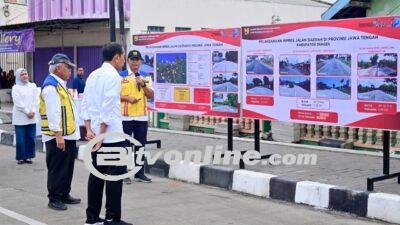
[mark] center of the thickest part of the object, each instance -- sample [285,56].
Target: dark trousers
[113,190]
[25,138]
[139,131]
[60,166]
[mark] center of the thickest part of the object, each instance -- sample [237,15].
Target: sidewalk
[336,168]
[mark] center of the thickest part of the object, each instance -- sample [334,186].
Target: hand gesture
[31,115]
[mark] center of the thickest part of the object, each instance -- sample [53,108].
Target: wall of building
[384,8]
[48,43]
[197,14]
[66,9]
[89,34]
[12,14]
[17,13]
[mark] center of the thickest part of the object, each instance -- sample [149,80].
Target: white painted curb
[251,182]
[313,193]
[384,206]
[185,172]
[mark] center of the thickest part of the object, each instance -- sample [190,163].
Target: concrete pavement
[163,202]
[334,67]
[258,67]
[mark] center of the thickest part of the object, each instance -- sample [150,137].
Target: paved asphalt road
[163,202]
[296,91]
[260,91]
[332,94]
[226,87]
[258,67]
[377,71]
[225,66]
[376,95]
[334,67]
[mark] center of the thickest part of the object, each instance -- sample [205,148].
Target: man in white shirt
[60,131]
[101,112]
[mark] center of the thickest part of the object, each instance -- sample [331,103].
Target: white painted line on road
[20,217]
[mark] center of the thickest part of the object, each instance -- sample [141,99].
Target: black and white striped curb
[381,206]
[374,205]
[7,138]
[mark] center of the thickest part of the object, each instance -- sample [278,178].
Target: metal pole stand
[257,139]
[386,164]
[230,141]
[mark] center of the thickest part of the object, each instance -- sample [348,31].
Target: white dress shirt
[53,111]
[102,101]
[25,98]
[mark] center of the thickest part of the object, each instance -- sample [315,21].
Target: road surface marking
[20,217]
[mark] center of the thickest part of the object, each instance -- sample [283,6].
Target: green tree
[232,100]
[257,81]
[374,59]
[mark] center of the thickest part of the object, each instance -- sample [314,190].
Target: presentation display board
[194,72]
[342,72]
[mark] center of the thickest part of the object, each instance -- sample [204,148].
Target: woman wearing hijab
[25,97]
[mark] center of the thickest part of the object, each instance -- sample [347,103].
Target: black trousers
[139,131]
[60,167]
[113,190]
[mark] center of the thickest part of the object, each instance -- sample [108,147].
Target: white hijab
[18,80]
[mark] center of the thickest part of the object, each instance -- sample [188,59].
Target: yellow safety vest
[67,122]
[129,88]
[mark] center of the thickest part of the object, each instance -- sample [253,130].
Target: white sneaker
[100,222]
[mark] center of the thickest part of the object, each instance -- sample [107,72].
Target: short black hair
[110,50]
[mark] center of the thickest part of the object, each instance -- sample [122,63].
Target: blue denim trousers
[25,138]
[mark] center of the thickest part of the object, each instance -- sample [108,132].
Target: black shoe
[20,162]
[99,221]
[59,206]
[28,161]
[113,222]
[71,200]
[142,178]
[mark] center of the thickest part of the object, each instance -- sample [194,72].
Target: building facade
[41,10]
[77,28]
[13,12]
[178,15]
